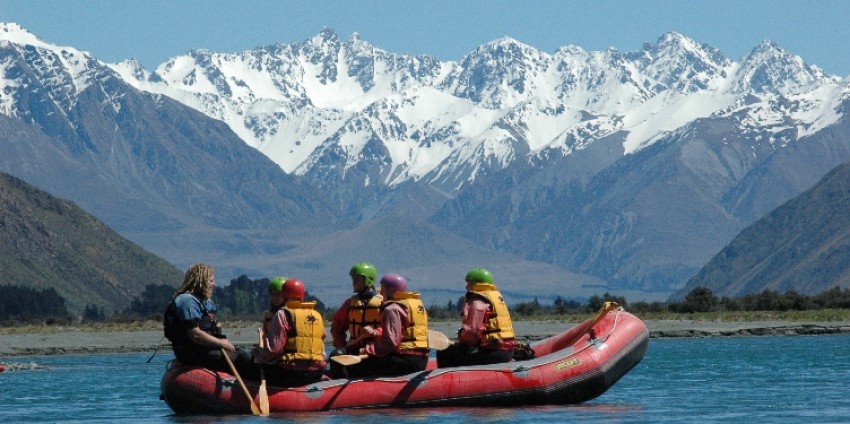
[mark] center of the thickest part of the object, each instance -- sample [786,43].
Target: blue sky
[153,30]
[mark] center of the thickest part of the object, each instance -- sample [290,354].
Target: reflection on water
[767,379]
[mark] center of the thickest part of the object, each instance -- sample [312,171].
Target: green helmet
[276,284]
[479,275]
[367,270]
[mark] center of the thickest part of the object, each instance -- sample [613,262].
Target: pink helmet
[394,281]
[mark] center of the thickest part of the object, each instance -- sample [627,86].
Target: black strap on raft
[155,350]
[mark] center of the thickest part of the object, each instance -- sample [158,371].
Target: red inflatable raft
[571,367]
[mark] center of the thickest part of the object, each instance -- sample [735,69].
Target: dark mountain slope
[803,245]
[49,242]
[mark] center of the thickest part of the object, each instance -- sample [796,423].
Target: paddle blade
[254,408]
[606,307]
[348,359]
[587,325]
[264,394]
[438,340]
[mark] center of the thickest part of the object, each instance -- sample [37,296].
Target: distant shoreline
[76,342]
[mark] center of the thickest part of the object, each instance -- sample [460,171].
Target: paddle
[351,359]
[438,340]
[264,394]
[345,360]
[254,409]
[588,325]
[357,340]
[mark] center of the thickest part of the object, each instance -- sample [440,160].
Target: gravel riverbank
[92,342]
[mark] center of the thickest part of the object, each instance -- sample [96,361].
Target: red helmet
[293,288]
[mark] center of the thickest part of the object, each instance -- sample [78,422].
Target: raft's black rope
[155,350]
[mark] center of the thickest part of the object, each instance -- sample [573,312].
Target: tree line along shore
[244,299]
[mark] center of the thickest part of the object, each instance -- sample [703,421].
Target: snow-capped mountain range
[501,103]
[628,168]
[443,122]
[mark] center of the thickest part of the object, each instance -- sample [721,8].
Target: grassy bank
[823,315]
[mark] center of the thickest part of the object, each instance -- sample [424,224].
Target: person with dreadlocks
[191,326]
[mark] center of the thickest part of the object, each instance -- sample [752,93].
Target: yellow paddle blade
[254,408]
[606,307]
[264,394]
[588,325]
[348,359]
[438,340]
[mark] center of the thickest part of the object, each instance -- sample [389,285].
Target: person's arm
[190,312]
[392,332]
[473,326]
[275,341]
[201,337]
[339,326]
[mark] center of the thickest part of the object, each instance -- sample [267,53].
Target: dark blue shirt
[192,310]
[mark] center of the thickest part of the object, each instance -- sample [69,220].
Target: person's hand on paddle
[198,336]
[361,338]
[372,332]
[226,345]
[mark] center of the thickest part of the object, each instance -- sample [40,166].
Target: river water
[713,380]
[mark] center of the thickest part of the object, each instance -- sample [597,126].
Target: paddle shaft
[358,339]
[264,394]
[254,409]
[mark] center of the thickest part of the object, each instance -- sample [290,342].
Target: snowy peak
[680,64]
[322,51]
[134,70]
[332,62]
[326,40]
[29,62]
[16,34]
[770,69]
[506,50]
[501,74]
